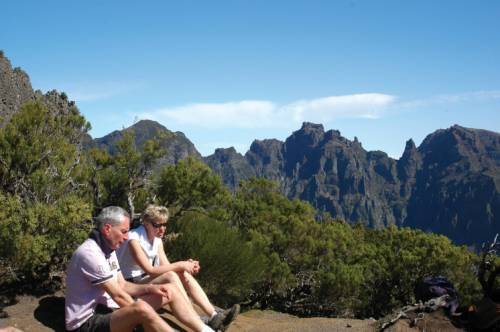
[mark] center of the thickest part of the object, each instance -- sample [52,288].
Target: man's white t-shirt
[88,268]
[128,265]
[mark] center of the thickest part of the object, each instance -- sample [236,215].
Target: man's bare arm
[117,293]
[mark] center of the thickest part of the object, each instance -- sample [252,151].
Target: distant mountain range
[449,185]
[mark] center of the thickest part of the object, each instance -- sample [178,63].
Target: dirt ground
[47,314]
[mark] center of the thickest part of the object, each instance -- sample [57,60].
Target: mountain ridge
[427,188]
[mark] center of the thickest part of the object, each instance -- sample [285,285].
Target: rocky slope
[16,89]
[457,185]
[450,184]
[178,147]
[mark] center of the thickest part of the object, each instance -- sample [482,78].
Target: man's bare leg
[125,319]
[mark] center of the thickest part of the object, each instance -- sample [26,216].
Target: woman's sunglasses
[155,225]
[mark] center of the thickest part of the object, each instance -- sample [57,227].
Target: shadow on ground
[50,312]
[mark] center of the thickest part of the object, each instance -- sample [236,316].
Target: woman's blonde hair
[155,212]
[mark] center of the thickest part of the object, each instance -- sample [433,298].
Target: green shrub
[44,193]
[230,266]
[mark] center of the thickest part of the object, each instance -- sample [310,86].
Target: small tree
[230,266]
[489,269]
[123,178]
[191,186]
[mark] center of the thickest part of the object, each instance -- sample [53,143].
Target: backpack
[433,287]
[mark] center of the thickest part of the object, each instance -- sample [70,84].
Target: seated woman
[143,260]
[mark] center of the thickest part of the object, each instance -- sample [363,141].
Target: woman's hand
[189,266]
[196,268]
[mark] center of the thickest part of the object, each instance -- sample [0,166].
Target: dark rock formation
[15,88]
[449,185]
[457,188]
[230,165]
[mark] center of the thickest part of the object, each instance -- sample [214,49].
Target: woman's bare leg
[171,277]
[197,293]
[181,309]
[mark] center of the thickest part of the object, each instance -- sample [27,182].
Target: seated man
[143,260]
[99,299]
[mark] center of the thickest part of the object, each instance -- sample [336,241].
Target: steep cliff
[450,184]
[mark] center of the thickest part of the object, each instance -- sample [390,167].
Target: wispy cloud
[446,99]
[263,113]
[89,92]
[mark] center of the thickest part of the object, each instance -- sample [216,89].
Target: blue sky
[228,72]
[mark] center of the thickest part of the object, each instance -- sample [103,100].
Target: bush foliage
[44,195]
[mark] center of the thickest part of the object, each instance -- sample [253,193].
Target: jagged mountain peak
[148,124]
[410,145]
[309,126]
[266,146]
[227,153]
[309,134]
[461,147]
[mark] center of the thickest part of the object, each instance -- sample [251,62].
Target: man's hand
[161,290]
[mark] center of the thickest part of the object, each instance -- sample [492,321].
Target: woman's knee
[170,276]
[187,279]
[173,291]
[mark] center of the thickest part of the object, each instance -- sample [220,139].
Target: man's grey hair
[112,215]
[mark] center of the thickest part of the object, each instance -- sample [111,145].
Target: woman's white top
[128,265]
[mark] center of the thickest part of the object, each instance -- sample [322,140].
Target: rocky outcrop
[230,165]
[15,88]
[450,184]
[457,186]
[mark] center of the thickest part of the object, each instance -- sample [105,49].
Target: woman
[143,260]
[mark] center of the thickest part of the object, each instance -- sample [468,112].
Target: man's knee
[143,310]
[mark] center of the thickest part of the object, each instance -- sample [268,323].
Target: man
[143,260]
[99,299]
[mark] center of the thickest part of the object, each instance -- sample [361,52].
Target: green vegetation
[44,194]
[123,178]
[255,245]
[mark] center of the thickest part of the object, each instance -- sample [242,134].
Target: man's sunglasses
[155,225]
